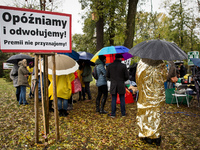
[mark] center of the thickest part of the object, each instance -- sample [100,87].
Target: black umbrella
[16,58]
[158,50]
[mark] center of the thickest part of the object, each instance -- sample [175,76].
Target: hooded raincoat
[63,85]
[150,78]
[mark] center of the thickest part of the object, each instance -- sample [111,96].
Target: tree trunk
[181,32]
[130,27]
[112,27]
[99,27]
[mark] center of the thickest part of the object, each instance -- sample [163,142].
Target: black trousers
[87,90]
[102,90]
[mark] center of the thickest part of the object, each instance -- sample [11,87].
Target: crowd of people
[146,78]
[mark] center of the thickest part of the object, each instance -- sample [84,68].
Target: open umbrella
[73,55]
[196,61]
[110,52]
[158,50]
[64,65]
[85,55]
[14,59]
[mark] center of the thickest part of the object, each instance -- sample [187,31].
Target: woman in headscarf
[150,78]
[23,74]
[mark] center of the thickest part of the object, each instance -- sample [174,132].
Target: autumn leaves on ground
[86,129]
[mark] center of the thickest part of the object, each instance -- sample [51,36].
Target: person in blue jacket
[101,83]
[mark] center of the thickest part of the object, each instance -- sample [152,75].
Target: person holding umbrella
[101,84]
[65,68]
[117,73]
[150,78]
[23,74]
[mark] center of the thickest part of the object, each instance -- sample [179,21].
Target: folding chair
[176,95]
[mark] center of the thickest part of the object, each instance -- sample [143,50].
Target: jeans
[65,103]
[122,104]
[87,90]
[22,95]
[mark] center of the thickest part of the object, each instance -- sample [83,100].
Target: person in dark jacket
[23,80]
[171,73]
[182,70]
[14,77]
[101,83]
[87,78]
[117,73]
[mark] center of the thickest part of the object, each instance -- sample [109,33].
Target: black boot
[17,96]
[148,140]
[102,111]
[60,112]
[157,141]
[97,105]
[65,113]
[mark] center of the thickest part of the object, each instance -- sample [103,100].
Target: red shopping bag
[76,85]
[128,97]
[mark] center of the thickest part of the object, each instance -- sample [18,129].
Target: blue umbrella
[73,55]
[113,50]
[196,61]
[85,55]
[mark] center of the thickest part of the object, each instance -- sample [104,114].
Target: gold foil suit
[150,78]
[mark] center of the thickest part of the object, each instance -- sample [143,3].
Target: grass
[83,128]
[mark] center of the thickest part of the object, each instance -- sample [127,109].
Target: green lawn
[83,128]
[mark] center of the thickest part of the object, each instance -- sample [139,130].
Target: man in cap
[117,73]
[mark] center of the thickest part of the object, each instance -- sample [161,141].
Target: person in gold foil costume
[150,78]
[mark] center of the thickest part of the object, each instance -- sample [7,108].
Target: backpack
[94,72]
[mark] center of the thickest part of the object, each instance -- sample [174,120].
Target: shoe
[26,104]
[124,115]
[60,112]
[109,115]
[149,141]
[103,112]
[157,141]
[65,113]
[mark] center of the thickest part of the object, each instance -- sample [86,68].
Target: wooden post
[55,98]
[46,90]
[43,101]
[36,101]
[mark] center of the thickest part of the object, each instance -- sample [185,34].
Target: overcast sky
[73,7]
